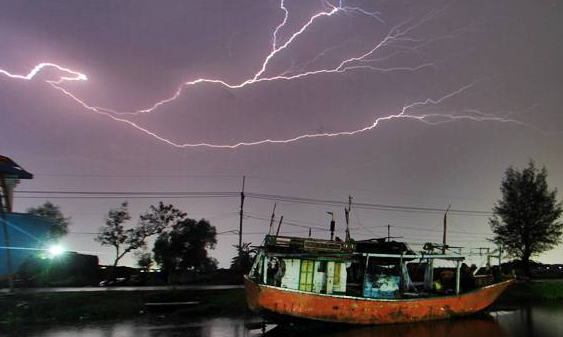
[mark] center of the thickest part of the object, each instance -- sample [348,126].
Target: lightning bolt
[38,68]
[396,39]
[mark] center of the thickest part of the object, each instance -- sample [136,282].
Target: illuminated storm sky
[452,93]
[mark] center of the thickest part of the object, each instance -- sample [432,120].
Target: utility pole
[347,213]
[445,229]
[240,222]
[388,233]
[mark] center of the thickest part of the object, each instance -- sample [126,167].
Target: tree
[59,227]
[243,261]
[144,260]
[126,240]
[525,220]
[185,247]
[160,217]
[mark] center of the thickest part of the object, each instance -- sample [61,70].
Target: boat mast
[347,213]
[272,219]
[332,226]
[445,228]
[241,213]
[279,226]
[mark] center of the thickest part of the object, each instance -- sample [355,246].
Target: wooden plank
[163,304]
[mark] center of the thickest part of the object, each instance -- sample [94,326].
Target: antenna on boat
[272,219]
[444,245]
[279,226]
[332,226]
[241,213]
[347,213]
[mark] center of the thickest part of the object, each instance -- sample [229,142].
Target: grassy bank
[44,308]
[532,291]
[548,290]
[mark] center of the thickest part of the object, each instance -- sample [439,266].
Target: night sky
[404,103]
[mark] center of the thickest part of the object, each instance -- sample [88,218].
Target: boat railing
[452,257]
[308,244]
[456,256]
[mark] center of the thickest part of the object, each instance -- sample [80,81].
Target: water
[216,327]
[541,320]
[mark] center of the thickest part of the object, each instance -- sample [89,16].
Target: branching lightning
[397,40]
[38,68]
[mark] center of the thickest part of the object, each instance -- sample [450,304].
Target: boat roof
[290,244]
[384,251]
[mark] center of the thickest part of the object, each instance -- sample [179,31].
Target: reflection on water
[217,327]
[545,320]
[482,326]
[541,320]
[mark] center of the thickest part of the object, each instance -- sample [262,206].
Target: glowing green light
[56,250]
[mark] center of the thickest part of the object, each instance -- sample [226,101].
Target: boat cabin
[306,264]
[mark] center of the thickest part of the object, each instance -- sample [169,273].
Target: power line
[87,195]
[439,231]
[305,224]
[122,197]
[293,222]
[308,223]
[399,208]
[261,233]
[228,232]
[288,223]
[230,194]
[363,190]
[237,176]
[94,175]
[150,193]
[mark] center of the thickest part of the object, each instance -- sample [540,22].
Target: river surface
[541,320]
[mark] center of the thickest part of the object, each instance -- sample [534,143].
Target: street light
[55,251]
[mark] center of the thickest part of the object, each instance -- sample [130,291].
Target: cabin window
[321,267]
[306,275]
[336,281]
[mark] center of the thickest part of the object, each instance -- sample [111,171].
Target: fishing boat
[366,282]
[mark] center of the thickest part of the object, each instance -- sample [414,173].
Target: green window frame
[306,275]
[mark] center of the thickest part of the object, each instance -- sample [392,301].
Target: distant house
[70,269]
[20,234]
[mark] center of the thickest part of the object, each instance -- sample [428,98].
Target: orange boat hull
[268,300]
